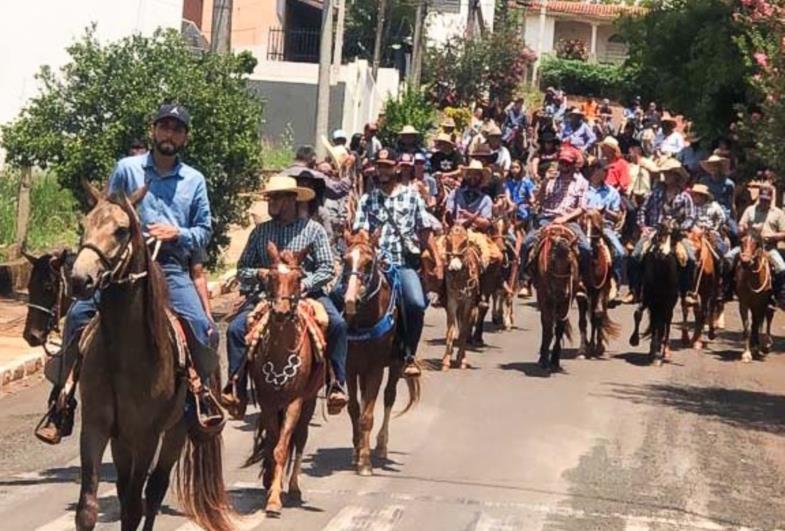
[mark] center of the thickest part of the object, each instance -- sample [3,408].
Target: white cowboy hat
[477,166]
[714,162]
[338,154]
[285,183]
[671,165]
[611,143]
[444,137]
[647,164]
[493,130]
[408,130]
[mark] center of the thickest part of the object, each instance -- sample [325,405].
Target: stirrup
[52,436]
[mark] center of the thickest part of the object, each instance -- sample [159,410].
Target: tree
[360,29]
[86,116]
[685,51]
[409,108]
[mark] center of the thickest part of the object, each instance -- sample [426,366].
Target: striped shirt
[563,195]
[296,236]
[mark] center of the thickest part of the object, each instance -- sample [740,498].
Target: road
[609,445]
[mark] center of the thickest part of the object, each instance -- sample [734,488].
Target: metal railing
[297,45]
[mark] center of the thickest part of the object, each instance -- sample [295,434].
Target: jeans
[619,252]
[733,231]
[775,259]
[336,342]
[635,266]
[413,308]
[584,246]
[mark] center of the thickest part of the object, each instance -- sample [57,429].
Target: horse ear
[93,195]
[272,252]
[302,253]
[138,195]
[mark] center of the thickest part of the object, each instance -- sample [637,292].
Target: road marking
[485,522]
[66,521]
[356,518]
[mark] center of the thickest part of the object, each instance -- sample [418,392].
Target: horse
[502,298]
[133,393]
[462,278]
[49,296]
[491,281]
[556,277]
[373,317]
[660,287]
[598,287]
[753,279]
[707,284]
[283,340]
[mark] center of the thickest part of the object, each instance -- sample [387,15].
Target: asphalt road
[609,445]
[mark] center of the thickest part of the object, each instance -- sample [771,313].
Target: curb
[26,366]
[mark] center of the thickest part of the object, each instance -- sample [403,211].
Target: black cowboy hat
[309,179]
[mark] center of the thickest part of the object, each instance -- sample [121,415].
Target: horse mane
[156,304]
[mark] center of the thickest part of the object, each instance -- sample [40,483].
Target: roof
[602,11]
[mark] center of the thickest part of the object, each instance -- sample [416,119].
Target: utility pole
[338,50]
[417,50]
[540,41]
[323,89]
[377,45]
[221,31]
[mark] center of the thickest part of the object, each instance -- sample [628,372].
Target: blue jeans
[584,246]
[336,342]
[618,250]
[733,231]
[413,308]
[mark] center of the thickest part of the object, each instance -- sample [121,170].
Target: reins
[54,313]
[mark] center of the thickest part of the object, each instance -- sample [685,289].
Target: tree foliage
[619,82]
[360,28]
[411,107]
[686,54]
[87,114]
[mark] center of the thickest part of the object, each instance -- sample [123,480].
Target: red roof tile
[607,11]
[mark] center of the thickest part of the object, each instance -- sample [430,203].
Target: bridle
[367,278]
[465,250]
[117,264]
[54,313]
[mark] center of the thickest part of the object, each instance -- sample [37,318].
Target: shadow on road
[740,408]
[69,474]
[327,461]
[529,368]
[639,359]
[249,500]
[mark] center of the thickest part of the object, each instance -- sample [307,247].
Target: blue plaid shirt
[656,208]
[296,236]
[408,214]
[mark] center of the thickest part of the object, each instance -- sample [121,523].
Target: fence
[295,45]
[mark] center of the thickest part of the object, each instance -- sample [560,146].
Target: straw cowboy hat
[408,130]
[672,166]
[702,189]
[338,154]
[448,122]
[483,152]
[647,164]
[493,130]
[284,183]
[611,143]
[444,137]
[476,166]
[714,162]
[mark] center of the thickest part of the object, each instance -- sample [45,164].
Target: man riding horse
[176,212]
[399,214]
[289,231]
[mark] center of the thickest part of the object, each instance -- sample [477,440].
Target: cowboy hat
[667,117]
[647,164]
[283,184]
[386,157]
[408,130]
[715,161]
[611,143]
[672,166]
[476,166]
[448,122]
[702,189]
[338,154]
[493,130]
[483,152]
[575,111]
[444,137]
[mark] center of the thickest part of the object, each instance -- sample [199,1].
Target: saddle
[545,239]
[668,247]
[312,313]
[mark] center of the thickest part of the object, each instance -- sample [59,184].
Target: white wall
[531,33]
[36,32]
[442,26]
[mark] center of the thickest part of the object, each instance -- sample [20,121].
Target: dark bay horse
[707,288]
[462,279]
[131,388]
[503,311]
[594,308]
[754,289]
[660,287]
[286,375]
[373,320]
[49,295]
[556,278]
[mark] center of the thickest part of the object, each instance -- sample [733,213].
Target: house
[548,22]
[450,18]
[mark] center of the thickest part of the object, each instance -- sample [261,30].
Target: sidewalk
[17,359]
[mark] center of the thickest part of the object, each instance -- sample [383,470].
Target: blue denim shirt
[178,198]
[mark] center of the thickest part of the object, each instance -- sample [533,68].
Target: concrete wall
[442,26]
[531,33]
[251,22]
[36,32]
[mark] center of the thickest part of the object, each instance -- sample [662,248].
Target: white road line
[485,522]
[66,521]
[356,518]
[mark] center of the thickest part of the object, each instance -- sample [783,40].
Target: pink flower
[762,59]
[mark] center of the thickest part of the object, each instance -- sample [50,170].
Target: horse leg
[158,482]
[281,454]
[508,310]
[583,310]
[466,321]
[496,312]
[369,387]
[666,336]
[452,329]
[94,436]
[132,509]
[685,333]
[477,339]
[271,421]
[121,457]
[390,394]
[299,439]
[354,414]
[547,336]
[767,342]
[556,352]
[635,338]
[700,321]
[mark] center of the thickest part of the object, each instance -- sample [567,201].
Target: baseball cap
[568,155]
[386,156]
[175,111]
[338,134]
[406,159]
[419,158]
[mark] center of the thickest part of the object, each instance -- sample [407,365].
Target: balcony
[295,45]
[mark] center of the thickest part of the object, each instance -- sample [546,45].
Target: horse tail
[610,328]
[414,387]
[257,454]
[200,484]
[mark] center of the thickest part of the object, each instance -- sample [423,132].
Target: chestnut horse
[373,318]
[594,308]
[754,289]
[286,375]
[462,277]
[707,287]
[133,392]
[556,278]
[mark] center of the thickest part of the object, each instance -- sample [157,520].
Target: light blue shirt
[582,138]
[603,196]
[178,198]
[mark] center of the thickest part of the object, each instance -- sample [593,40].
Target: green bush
[409,108]
[617,82]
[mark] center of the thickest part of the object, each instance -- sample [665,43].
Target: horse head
[283,280]
[751,246]
[111,233]
[47,295]
[456,244]
[359,265]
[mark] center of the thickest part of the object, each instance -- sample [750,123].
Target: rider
[769,221]
[289,231]
[577,132]
[503,158]
[607,199]
[399,213]
[709,219]
[723,189]
[182,222]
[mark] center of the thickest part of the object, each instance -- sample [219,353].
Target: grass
[278,154]
[54,218]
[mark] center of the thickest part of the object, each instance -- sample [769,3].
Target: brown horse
[286,375]
[49,296]
[462,278]
[594,308]
[502,298]
[131,388]
[556,278]
[754,288]
[707,287]
[373,317]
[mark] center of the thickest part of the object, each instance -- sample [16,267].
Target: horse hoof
[556,368]
[364,470]
[380,453]
[580,356]
[273,510]
[465,365]
[635,340]
[746,357]
[658,362]
[712,335]
[698,345]
[766,345]
[294,497]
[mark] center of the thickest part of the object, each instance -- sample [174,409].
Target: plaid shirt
[656,208]
[296,236]
[710,216]
[562,195]
[408,214]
